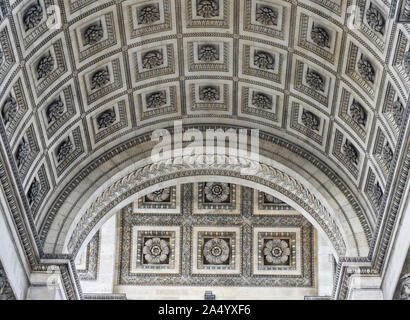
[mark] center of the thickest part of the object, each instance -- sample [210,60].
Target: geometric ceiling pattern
[331,84]
[218,234]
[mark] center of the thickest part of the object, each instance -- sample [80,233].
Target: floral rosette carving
[152,59]
[156,99]
[100,79]
[310,120]
[262,101]
[320,36]
[209,94]
[159,195]
[216,192]
[375,19]
[276,251]
[351,153]
[106,119]
[156,251]
[148,14]
[207,8]
[9,110]
[216,251]
[45,66]
[208,53]
[264,60]
[266,16]
[32,16]
[93,34]
[55,110]
[315,80]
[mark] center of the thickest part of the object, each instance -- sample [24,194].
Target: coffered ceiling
[333,88]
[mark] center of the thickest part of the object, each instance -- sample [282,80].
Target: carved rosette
[148,14]
[64,149]
[23,151]
[262,101]
[358,113]
[276,251]
[55,110]
[387,154]
[216,192]
[156,99]
[264,60]
[33,191]
[216,251]
[315,80]
[375,19]
[377,194]
[366,69]
[152,59]
[310,120]
[106,119]
[208,53]
[45,66]
[398,111]
[207,8]
[267,16]
[100,78]
[9,109]
[406,63]
[93,34]
[351,153]
[32,16]
[209,94]
[159,195]
[320,36]
[156,251]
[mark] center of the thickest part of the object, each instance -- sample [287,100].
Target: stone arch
[146,177]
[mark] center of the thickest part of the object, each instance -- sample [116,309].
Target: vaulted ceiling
[326,81]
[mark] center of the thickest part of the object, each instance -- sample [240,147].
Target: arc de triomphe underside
[202,149]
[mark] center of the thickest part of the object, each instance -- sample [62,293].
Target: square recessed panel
[59,110]
[313,82]
[266,204]
[153,62]
[375,23]
[213,96]
[216,250]
[214,15]
[17,95]
[261,103]
[154,104]
[361,68]
[347,152]
[316,35]
[216,198]
[95,36]
[108,121]
[163,201]
[309,121]
[355,113]
[148,18]
[102,81]
[266,19]
[262,62]
[208,56]
[48,66]
[155,249]
[277,251]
